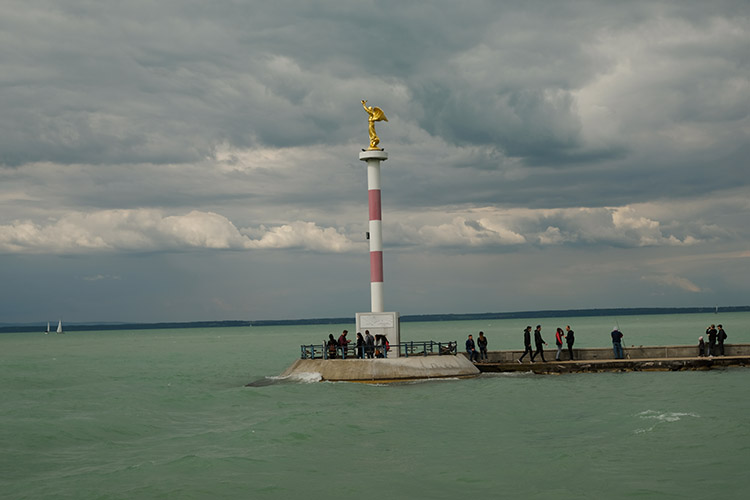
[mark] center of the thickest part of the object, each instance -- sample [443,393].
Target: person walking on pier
[570,339]
[617,343]
[482,344]
[711,339]
[539,341]
[471,349]
[701,347]
[559,336]
[527,344]
[721,337]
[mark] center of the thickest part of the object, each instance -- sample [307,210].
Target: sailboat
[47,330]
[59,327]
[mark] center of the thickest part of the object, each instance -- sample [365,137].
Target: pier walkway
[640,358]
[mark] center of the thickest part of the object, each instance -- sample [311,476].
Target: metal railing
[350,351]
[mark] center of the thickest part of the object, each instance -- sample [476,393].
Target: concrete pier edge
[637,358]
[383,370]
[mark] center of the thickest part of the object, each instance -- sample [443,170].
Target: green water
[165,414]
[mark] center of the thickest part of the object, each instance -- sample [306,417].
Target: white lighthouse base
[382,371]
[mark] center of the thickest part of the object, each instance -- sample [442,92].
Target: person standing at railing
[343,343]
[381,346]
[369,344]
[482,344]
[332,344]
[360,346]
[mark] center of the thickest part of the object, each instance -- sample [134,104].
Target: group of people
[561,338]
[471,348]
[477,351]
[714,346]
[367,346]
[715,338]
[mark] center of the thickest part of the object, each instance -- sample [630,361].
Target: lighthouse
[377,321]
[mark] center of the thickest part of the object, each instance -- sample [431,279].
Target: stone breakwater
[382,370]
[637,358]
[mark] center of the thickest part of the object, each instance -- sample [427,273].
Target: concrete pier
[383,370]
[637,358]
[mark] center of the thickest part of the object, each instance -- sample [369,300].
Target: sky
[191,160]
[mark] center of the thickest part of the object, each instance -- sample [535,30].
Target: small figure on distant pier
[369,344]
[527,344]
[701,347]
[376,115]
[471,349]
[570,338]
[482,344]
[617,343]
[559,337]
[539,341]
[343,343]
[360,346]
[721,337]
[332,345]
[381,346]
[711,332]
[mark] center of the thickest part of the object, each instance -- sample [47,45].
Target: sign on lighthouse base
[381,323]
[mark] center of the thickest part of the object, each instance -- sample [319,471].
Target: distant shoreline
[19,328]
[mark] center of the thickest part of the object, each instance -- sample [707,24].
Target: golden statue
[376,115]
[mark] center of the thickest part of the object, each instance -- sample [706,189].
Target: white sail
[59,327]
[47,330]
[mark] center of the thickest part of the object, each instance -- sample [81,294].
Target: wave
[662,417]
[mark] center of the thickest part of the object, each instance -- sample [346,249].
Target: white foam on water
[306,377]
[662,417]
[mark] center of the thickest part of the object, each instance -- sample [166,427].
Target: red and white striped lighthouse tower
[377,321]
[373,159]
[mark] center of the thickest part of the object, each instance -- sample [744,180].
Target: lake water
[166,414]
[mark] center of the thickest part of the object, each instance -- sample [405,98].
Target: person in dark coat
[482,344]
[570,339]
[701,347]
[471,350]
[360,346]
[721,337]
[711,339]
[332,344]
[369,344]
[617,343]
[539,341]
[527,344]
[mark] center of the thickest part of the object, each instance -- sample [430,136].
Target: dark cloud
[519,133]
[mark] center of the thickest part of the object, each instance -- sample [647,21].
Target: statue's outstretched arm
[364,105]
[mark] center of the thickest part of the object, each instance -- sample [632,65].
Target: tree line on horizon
[18,328]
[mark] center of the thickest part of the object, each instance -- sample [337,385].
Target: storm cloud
[525,140]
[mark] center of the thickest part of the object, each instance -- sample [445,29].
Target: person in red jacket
[343,342]
[559,337]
